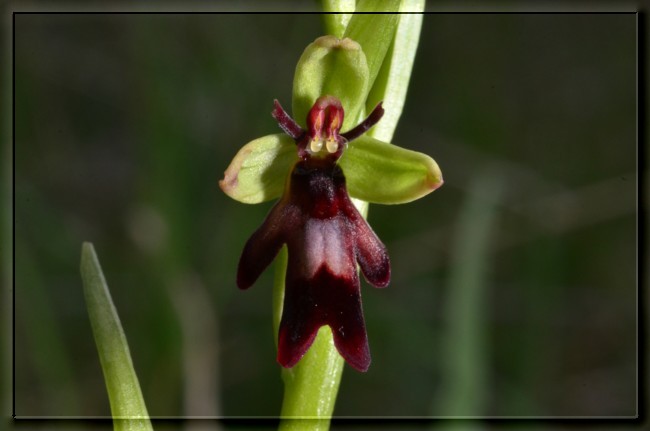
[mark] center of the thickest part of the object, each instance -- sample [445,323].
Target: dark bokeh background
[514,288]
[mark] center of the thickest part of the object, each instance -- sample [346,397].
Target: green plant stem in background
[464,391]
[312,385]
[127,404]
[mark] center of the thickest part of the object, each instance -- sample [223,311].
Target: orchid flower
[315,171]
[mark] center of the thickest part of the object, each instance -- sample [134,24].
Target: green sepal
[259,170]
[334,67]
[383,173]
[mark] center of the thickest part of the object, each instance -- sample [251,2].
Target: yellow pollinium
[332,145]
[316,145]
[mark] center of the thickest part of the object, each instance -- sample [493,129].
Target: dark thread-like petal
[285,121]
[366,124]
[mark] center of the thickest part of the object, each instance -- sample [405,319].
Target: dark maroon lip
[326,237]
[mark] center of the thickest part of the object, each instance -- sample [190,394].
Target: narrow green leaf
[127,404]
[337,15]
[259,170]
[373,31]
[398,175]
[393,79]
[335,67]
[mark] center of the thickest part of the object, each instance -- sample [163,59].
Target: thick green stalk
[127,404]
[337,16]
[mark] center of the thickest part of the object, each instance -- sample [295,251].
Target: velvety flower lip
[326,238]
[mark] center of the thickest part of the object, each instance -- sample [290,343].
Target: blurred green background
[514,285]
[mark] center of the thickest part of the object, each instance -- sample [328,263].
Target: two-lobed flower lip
[315,218]
[326,237]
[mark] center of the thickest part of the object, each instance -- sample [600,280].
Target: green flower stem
[278,289]
[336,21]
[127,404]
[310,387]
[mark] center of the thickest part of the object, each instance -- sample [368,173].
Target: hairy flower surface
[326,237]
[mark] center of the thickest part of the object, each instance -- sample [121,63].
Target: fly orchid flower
[326,237]
[315,218]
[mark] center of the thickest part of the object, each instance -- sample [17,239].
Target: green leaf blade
[374,31]
[127,404]
[393,79]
